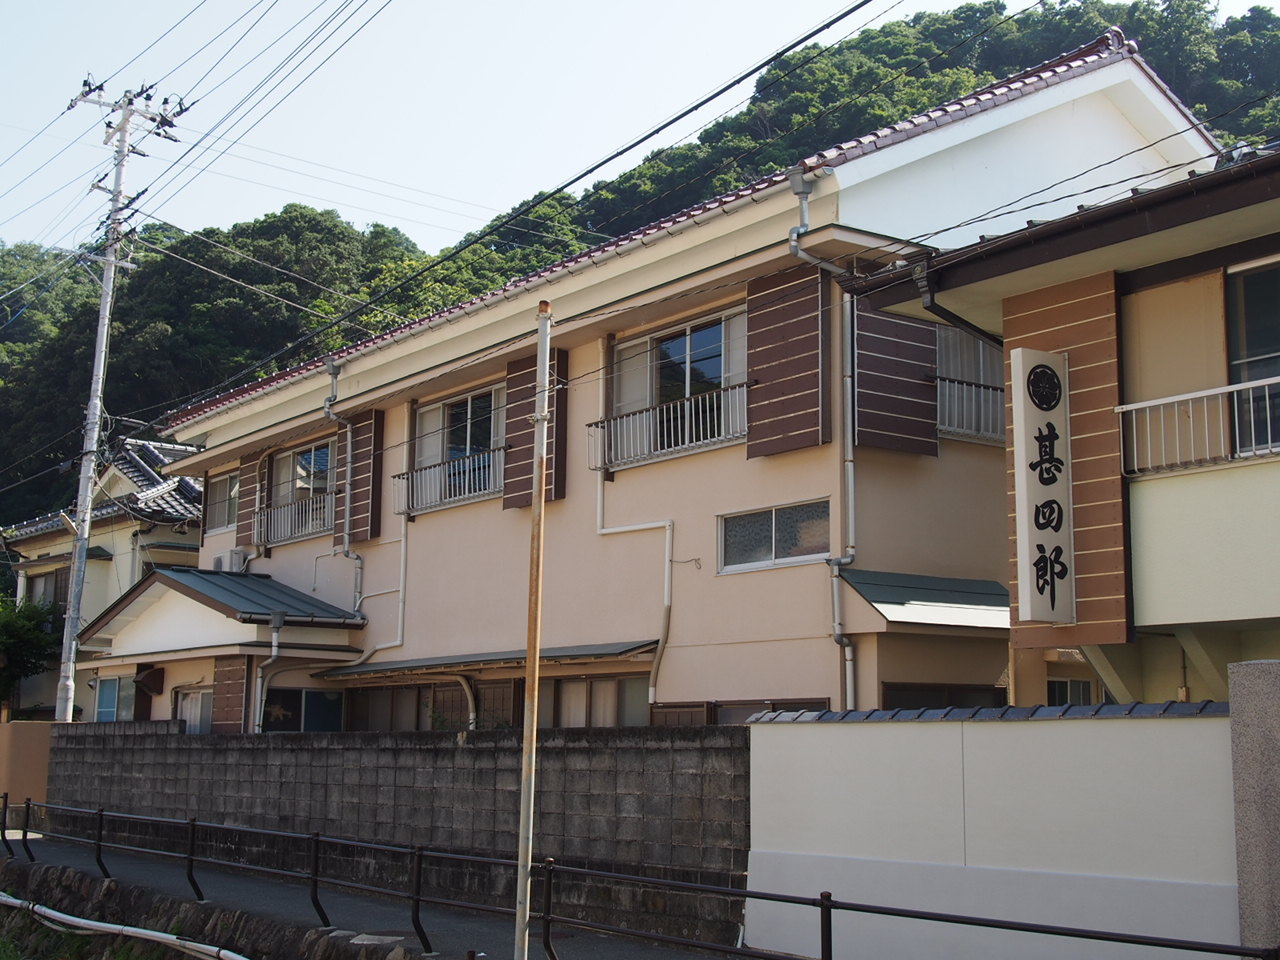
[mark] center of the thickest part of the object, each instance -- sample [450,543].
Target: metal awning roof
[586,651]
[244,597]
[937,601]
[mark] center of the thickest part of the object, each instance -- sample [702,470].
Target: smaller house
[1150,328]
[141,520]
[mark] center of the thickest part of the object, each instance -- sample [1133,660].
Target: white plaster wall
[1206,545]
[175,622]
[1119,824]
[1104,116]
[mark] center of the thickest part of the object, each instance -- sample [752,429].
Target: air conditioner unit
[229,561]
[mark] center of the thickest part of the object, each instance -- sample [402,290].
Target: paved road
[453,932]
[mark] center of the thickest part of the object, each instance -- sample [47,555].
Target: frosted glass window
[777,536]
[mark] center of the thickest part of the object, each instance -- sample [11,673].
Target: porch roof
[586,651]
[243,597]
[935,601]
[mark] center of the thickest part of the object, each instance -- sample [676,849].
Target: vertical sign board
[1042,486]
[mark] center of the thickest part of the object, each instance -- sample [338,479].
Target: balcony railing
[304,518]
[1197,429]
[462,480]
[972,411]
[706,420]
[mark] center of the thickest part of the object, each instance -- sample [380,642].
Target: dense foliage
[179,328]
[29,641]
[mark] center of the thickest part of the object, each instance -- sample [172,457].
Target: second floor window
[679,364]
[970,387]
[679,391]
[460,428]
[301,503]
[458,452]
[221,502]
[1253,340]
[302,473]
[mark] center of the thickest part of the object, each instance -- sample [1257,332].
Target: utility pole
[128,107]
[533,655]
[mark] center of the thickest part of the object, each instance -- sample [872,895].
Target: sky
[429,117]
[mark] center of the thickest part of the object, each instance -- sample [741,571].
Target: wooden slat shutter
[248,502]
[366,479]
[787,346]
[517,485]
[896,392]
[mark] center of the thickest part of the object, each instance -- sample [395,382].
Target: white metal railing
[464,479]
[974,411]
[698,422]
[303,518]
[1194,429]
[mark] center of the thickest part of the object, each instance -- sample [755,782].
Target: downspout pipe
[348,485]
[669,526]
[842,638]
[922,274]
[468,690]
[802,182]
[403,585]
[277,623]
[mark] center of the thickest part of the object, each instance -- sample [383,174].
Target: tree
[27,643]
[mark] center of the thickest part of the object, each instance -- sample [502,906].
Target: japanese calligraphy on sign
[1042,486]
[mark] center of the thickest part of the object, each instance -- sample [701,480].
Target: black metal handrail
[549,869]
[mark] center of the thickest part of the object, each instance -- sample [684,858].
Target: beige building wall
[1174,338]
[932,515]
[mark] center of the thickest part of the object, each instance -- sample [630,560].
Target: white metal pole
[65,702]
[533,655]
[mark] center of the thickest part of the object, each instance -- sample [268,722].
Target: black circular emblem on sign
[1044,386]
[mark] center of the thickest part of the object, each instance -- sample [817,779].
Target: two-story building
[1164,309]
[757,495]
[141,520]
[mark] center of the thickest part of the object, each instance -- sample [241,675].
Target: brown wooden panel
[785,443]
[787,337]
[919,412]
[774,390]
[794,402]
[783,333]
[1080,319]
[517,487]
[248,500]
[908,388]
[230,705]
[892,350]
[896,403]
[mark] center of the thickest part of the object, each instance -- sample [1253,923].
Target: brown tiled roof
[1106,49]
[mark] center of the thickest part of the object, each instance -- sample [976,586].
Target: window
[458,453]
[52,588]
[1253,342]
[594,702]
[302,474]
[782,535]
[301,495]
[680,390]
[1064,692]
[196,708]
[308,711]
[970,387]
[221,502]
[114,700]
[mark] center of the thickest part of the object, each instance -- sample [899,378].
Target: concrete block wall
[670,803]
